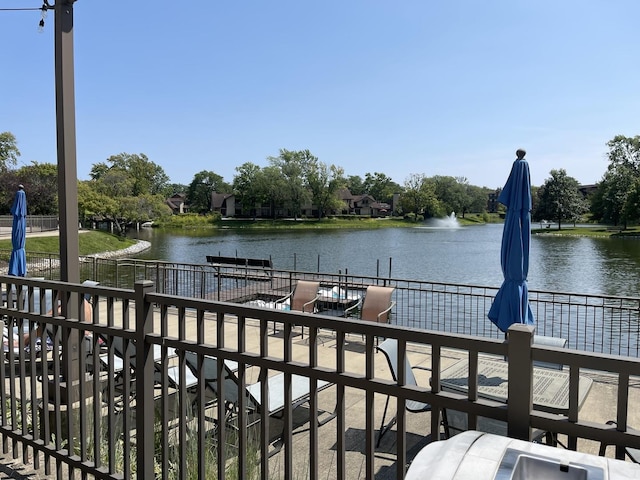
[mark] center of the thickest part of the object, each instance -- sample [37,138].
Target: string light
[43,9]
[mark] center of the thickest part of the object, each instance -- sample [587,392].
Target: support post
[67,192]
[520,399]
[144,382]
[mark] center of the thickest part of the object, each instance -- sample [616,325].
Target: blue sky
[402,87]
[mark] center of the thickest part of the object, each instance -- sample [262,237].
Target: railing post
[520,403]
[144,382]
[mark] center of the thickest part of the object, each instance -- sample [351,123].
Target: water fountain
[447,222]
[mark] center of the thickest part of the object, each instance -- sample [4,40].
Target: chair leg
[445,424]
[385,428]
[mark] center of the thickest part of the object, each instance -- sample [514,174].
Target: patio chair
[376,305]
[303,298]
[275,404]
[632,453]
[390,350]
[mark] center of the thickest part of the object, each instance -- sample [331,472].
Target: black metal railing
[594,323]
[137,355]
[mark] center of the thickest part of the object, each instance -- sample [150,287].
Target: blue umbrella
[511,304]
[18,260]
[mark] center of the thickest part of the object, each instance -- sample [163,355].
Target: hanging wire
[43,9]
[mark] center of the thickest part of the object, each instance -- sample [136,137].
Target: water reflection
[468,255]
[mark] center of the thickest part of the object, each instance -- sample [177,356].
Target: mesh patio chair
[390,350]
[303,298]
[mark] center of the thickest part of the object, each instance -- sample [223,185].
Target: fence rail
[594,323]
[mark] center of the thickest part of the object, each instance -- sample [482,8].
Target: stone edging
[140,246]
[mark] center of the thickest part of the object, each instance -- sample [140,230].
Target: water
[450,254]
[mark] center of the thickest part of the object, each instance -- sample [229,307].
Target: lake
[467,255]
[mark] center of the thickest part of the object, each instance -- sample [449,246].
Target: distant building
[177,203]
[224,203]
[587,190]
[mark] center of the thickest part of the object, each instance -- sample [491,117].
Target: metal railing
[35,223]
[594,323]
[179,433]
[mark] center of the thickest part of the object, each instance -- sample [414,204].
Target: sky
[398,87]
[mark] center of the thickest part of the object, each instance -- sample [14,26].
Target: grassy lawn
[89,242]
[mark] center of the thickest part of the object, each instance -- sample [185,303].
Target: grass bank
[595,231]
[90,242]
[196,222]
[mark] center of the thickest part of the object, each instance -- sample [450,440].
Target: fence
[108,437]
[594,323]
[35,223]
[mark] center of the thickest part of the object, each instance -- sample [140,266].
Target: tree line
[130,188]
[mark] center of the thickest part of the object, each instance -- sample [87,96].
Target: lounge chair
[300,390]
[632,453]
[390,350]
[303,298]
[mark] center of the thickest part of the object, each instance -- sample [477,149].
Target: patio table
[550,393]
[550,386]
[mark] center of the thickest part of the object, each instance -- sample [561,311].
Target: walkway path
[139,246]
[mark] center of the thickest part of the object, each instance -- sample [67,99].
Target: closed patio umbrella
[18,259]
[511,304]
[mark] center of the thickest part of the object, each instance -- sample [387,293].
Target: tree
[615,199]
[451,193]
[559,199]
[93,204]
[248,187]
[201,188]
[355,184]
[380,187]
[9,152]
[145,176]
[324,182]
[40,181]
[274,186]
[292,166]
[419,196]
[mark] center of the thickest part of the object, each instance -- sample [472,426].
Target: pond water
[466,255]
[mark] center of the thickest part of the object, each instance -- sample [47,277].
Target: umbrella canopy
[18,259]
[511,304]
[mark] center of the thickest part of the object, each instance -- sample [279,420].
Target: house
[177,203]
[224,203]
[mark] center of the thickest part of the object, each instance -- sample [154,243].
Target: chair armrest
[386,310]
[280,300]
[351,308]
[310,302]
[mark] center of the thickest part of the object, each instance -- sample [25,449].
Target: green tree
[355,184]
[9,182]
[325,182]
[40,181]
[293,166]
[9,152]
[419,196]
[92,204]
[146,177]
[380,187]
[274,186]
[559,199]
[615,199]
[203,185]
[451,194]
[249,187]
